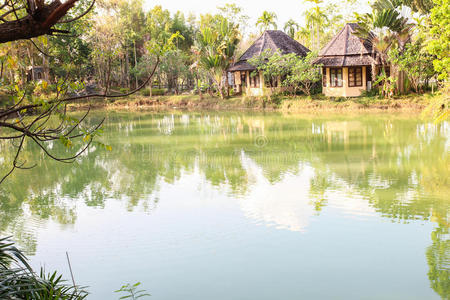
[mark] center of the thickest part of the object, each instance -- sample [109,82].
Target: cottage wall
[258,91]
[345,90]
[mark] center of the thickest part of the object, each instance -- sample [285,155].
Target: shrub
[19,281]
[339,99]
[124,90]
[372,93]
[155,92]
[158,92]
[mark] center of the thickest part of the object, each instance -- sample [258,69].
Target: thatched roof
[346,49]
[273,40]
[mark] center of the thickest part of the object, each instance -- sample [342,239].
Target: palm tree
[303,36]
[217,47]
[291,27]
[315,19]
[267,20]
[384,28]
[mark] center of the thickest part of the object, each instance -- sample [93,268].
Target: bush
[365,101]
[155,92]
[339,99]
[158,92]
[372,93]
[124,90]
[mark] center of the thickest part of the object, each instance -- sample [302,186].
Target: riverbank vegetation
[118,44]
[412,103]
[19,281]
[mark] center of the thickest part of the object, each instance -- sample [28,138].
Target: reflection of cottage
[347,62]
[343,130]
[35,73]
[275,40]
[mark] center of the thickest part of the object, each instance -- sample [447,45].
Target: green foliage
[387,82]
[266,21]
[415,62]
[273,65]
[291,27]
[19,281]
[372,93]
[439,44]
[155,92]
[303,74]
[384,27]
[217,43]
[298,73]
[132,291]
[235,15]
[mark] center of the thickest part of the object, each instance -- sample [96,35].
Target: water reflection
[389,166]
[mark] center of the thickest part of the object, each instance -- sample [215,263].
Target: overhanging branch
[39,21]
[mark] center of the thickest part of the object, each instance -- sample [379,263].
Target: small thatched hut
[275,40]
[347,64]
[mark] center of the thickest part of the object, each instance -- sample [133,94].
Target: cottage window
[324,77]
[355,76]
[336,77]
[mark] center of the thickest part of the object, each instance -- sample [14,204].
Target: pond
[244,206]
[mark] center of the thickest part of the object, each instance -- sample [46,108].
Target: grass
[316,103]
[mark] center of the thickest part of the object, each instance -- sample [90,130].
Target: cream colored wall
[345,90]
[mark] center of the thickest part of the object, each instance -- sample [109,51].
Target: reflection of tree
[319,184]
[438,257]
[399,166]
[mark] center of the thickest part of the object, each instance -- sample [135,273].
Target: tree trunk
[127,68]
[30,56]
[318,37]
[108,75]
[151,87]
[135,63]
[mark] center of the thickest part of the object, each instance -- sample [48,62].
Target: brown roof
[346,49]
[273,40]
[346,60]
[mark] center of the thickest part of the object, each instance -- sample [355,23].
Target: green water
[243,206]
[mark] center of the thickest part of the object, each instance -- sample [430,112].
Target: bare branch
[15,160]
[39,49]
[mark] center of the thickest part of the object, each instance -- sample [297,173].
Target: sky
[285,9]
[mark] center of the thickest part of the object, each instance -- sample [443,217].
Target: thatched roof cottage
[275,40]
[347,64]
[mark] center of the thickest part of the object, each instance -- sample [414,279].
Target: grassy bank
[319,103]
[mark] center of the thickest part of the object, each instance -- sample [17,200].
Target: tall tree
[315,19]
[217,42]
[385,28]
[266,21]
[291,27]
[235,14]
